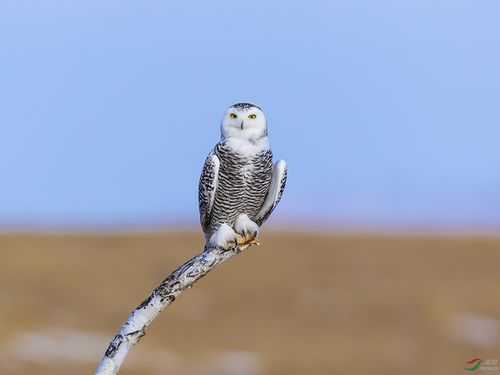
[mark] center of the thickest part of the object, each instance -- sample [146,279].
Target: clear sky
[387,112]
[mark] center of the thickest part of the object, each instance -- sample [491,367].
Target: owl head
[244,121]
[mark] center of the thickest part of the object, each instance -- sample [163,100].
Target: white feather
[245,130]
[279,171]
[222,236]
[248,147]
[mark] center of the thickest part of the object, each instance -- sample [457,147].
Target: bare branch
[162,296]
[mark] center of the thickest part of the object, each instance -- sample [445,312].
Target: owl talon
[246,241]
[254,242]
[247,230]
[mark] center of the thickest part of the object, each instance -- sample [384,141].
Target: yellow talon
[245,241]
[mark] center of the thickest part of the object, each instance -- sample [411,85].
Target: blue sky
[387,112]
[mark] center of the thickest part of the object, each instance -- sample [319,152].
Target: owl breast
[244,181]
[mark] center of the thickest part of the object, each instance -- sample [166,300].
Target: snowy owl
[239,186]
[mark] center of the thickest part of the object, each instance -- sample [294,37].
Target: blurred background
[383,255]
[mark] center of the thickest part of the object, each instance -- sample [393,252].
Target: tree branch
[162,296]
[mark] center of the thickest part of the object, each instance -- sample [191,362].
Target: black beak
[241,126]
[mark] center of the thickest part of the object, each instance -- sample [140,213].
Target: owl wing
[207,188]
[275,192]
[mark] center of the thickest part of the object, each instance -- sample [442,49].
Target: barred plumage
[243,183]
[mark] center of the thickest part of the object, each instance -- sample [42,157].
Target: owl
[239,185]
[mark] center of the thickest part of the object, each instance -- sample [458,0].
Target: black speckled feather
[243,183]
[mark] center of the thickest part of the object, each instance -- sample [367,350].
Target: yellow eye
[233,115]
[252,116]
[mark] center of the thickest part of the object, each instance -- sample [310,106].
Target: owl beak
[241,125]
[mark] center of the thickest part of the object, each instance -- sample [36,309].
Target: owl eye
[252,116]
[233,115]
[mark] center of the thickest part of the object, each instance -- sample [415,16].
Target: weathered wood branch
[182,278]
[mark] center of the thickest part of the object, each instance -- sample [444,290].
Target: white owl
[239,186]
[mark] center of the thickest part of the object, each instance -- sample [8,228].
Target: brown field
[298,304]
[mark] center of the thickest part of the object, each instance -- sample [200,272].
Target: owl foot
[247,231]
[224,237]
[244,242]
